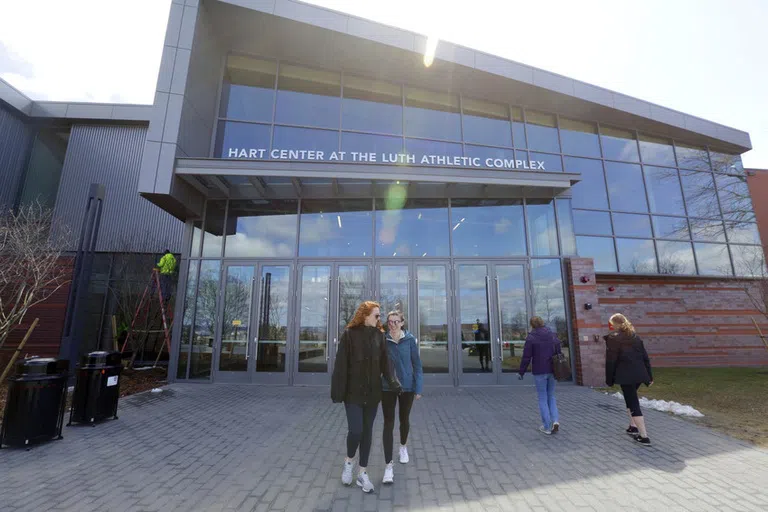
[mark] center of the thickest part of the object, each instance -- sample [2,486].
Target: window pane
[590,192]
[186,323]
[675,258]
[713,259]
[415,228]
[41,183]
[235,140]
[599,249]
[372,106]
[749,261]
[542,131]
[299,139]
[636,256]
[549,297]
[308,97]
[626,224]
[518,128]
[214,228]
[725,163]
[671,227]
[486,123]
[431,152]
[625,187]
[235,322]
[579,138]
[542,227]
[432,114]
[487,227]
[664,191]
[274,291]
[487,155]
[261,228]
[700,196]
[619,144]
[205,320]
[735,200]
[336,228]
[370,144]
[707,230]
[313,319]
[657,151]
[248,92]
[692,157]
[742,232]
[197,235]
[592,223]
[552,163]
[565,223]
[433,318]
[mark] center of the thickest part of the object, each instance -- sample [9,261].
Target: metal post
[81,277]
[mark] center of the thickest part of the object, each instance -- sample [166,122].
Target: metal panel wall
[112,155]
[15,139]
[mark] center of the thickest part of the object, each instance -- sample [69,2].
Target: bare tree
[30,267]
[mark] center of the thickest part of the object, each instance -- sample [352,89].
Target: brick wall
[589,347]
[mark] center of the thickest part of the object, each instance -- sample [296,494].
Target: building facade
[314,161]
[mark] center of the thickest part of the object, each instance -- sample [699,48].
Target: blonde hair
[622,324]
[537,322]
[398,314]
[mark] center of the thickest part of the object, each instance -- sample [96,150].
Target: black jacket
[626,361]
[361,361]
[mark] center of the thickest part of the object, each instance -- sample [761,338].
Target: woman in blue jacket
[404,356]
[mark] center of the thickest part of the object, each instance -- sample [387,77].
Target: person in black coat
[627,364]
[361,361]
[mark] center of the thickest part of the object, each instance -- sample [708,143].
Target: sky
[707,58]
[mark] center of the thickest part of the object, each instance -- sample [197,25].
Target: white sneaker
[404,455]
[364,482]
[346,475]
[389,474]
[545,430]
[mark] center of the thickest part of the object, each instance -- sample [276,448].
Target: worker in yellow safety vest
[166,266]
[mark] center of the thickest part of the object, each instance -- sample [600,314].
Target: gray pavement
[240,447]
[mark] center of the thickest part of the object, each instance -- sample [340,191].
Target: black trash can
[97,388]
[37,396]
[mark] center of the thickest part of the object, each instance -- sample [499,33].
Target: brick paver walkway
[228,447]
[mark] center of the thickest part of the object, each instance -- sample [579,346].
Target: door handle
[247,346]
[501,354]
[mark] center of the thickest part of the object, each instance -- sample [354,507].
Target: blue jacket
[406,361]
[540,345]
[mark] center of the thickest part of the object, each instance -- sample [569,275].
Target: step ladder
[152,289]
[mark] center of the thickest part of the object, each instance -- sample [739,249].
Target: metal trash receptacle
[97,388]
[37,396]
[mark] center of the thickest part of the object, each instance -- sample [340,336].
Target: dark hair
[167,252]
[537,322]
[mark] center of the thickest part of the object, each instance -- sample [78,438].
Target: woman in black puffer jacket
[627,364]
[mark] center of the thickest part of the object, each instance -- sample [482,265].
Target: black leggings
[630,398]
[388,403]
[360,420]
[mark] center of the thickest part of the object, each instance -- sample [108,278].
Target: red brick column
[587,325]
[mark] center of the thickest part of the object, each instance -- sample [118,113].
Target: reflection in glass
[636,256]
[235,322]
[671,227]
[305,139]
[433,318]
[742,232]
[308,97]
[313,319]
[552,163]
[549,298]
[590,192]
[600,250]
[248,92]
[487,227]
[261,228]
[592,223]
[336,228]
[205,320]
[713,259]
[214,228]
[197,236]
[273,318]
[625,187]
[474,319]
[542,228]
[513,314]
[675,258]
[657,151]
[692,157]
[749,261]
[707,230]
[542,131]
[518,128]
[664,190]
[486,152]
[619,144]
[432,114]
[352,288]
[372,106]
[363,143]
[186,322]
[565,225]
[627,224]
[421,148]
[236,140]
[735,200]
[726,163]
[700,196]
[579,138]
[486,123]
[393,290]
[411,228]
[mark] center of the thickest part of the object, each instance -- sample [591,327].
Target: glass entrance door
[511,304]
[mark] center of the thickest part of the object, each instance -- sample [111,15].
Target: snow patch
[157,390]
[143,368]
[664,406]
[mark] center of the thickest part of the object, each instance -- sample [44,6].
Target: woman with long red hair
[361,361]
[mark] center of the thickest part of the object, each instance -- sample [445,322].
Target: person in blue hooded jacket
[404,355]
[540,346]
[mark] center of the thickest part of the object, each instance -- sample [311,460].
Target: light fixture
[423,255]
[429,52]
[338,217]
[394,253]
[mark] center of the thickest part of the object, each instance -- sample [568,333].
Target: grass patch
[733,400]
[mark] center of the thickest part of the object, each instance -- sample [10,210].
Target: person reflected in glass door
[404,355]
[361,361]
[483,346]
